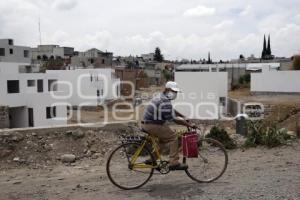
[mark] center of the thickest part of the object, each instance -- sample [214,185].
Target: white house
[42,99]
[204,94]
[29,98]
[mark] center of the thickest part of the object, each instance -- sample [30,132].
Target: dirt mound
[39,148]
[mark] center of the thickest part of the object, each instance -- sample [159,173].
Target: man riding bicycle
[157,114]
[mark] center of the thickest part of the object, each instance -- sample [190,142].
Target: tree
[242,57]
[168,75]
[209,61]
[157,55]
[264,51]
[269,51]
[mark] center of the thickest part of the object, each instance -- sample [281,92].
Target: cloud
[224,24]
[64,4]
[297,18]
[199,11]
[246,11]
[134,27]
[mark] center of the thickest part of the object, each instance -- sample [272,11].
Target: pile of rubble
[48,147]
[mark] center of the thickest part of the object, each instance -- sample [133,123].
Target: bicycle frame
[151,140]
[156,152]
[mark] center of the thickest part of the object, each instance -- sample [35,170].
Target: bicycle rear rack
[132,138]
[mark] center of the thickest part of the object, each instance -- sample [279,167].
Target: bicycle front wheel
[122,173]
[211,162]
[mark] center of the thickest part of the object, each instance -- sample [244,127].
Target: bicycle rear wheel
[121,173]
[211,162]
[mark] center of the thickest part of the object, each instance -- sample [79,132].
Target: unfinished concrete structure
[92,57]
[12,53]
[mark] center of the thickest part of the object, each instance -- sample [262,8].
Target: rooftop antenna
[40,35]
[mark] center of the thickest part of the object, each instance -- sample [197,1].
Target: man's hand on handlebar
[193,126]
[185,122]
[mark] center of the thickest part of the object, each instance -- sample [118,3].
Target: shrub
[265,133]
[247,78]
[241,80]
[222,136]
[235,87]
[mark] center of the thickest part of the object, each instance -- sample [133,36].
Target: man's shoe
[179,166]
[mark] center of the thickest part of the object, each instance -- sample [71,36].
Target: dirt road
[252,174]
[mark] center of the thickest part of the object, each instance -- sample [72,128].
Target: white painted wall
[201,92]
[84,85]
[11,67]
[276,81]
[248,66]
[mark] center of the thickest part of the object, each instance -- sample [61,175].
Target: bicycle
[130,157]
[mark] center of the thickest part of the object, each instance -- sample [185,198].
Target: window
[30,83]
[10,42]
[52,85]
[13,86]
[30,117]
[103,61]
[38,57]
[40,87]
[45,58]
[11,51]
[50,112]
[98,93]
[26,53]
[2,52]
[222,101]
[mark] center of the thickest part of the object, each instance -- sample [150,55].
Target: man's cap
[173,86]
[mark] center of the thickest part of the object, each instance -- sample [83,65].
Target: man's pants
[165,135]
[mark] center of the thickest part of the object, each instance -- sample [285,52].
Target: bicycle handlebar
[189,128]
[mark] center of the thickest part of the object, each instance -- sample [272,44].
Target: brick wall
[136,76]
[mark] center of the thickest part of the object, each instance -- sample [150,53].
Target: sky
[181,28]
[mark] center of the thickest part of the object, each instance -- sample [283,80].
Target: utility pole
[40,35]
